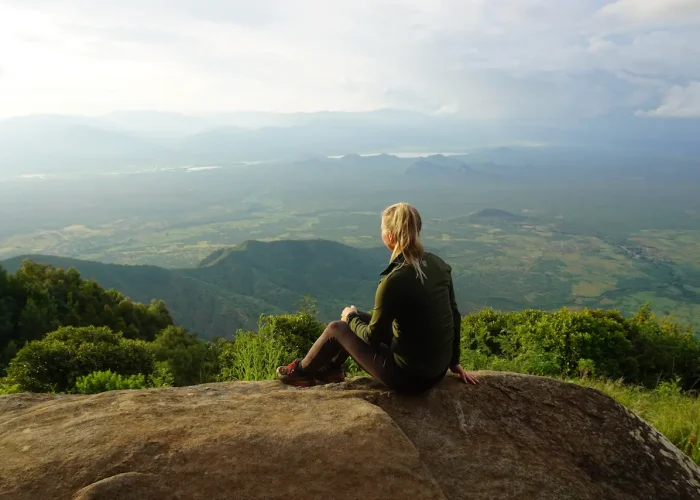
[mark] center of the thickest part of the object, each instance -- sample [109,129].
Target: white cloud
[493,59]
[654,11]
[678,102]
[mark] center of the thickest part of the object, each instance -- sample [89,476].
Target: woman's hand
[464,375]
[347,311]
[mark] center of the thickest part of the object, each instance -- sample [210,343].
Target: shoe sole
[336,380]
[295,383]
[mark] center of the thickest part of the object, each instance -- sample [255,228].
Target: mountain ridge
[234,286]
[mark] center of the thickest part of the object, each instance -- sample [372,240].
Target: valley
[518,231]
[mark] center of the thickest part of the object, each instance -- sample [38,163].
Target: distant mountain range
[50,143]
[231,288]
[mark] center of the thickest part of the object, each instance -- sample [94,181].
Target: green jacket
[420,321]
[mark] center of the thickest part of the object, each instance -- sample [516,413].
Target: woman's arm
[456,325]
[455,367]
[378,328]
[364,316]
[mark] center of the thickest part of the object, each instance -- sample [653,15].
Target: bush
[8,388]
[103,381]
[641,350]
[252,356]
[295,333]
[55,363]
[280,340]
[190,360]
[162,376]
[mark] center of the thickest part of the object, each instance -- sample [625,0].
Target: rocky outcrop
[510,437]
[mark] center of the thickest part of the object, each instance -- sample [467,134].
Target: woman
[411,338]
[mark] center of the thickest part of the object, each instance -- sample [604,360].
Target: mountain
[231,288]
[138,139]
[429,170]
[440,167]
[156,124]
[41,144]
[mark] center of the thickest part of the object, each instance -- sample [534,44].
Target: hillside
[510,437]
[232,288]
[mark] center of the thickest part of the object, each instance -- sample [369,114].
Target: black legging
[338,341]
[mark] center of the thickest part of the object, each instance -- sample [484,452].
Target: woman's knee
[338,328]
[337,325]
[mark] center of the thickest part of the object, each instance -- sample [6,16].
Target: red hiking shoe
[291,375]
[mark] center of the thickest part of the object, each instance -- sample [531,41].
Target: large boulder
[510,437]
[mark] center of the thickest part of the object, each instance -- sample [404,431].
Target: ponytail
[404,222]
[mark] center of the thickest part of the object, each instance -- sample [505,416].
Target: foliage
[54,363]
[294,333]
[162,376]
[102,381]
[640,350]
[673,413]
[7,388]
[279,340]
[251,356]
[189,359]
[39,299]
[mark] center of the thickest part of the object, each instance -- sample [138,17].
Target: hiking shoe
[291,375]
[330,375]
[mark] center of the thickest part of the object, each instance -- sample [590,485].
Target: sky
[480,59]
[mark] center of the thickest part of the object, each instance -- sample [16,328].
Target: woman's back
[425,313]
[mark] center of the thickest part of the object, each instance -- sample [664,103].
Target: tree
[40,298]
[188,357]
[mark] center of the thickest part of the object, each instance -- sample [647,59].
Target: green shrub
[8,388]
[190,360]
[279,341]
[586,368]
[162,376]
[640,350]
[252,356]
[295,333]
[55,363]
[103,381]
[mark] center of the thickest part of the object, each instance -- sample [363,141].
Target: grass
[7,388]
[674,414]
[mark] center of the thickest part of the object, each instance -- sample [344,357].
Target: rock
[123,487]
[510,437]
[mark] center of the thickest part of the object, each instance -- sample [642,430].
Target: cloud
[678,102]
[495,60]
[654,11]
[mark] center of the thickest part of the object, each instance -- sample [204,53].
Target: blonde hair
[404,222]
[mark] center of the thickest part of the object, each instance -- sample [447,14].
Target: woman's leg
[338,361]
[337,342]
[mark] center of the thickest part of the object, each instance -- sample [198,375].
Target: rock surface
[510,437]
